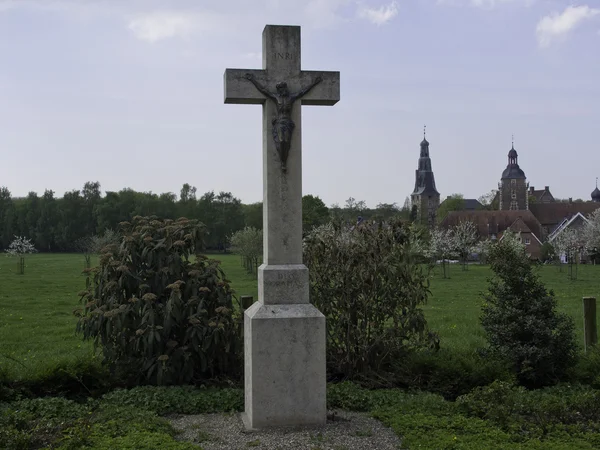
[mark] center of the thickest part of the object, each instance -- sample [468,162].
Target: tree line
[56,224]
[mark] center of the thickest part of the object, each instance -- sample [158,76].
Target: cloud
[381,15]
[156,26]
[557,26]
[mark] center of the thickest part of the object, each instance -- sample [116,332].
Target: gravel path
[349,431]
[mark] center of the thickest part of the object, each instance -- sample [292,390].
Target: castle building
[425,196]
[513,187]
[535,214]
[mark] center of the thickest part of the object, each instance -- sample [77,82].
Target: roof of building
[472,204]
[565,224]
[541,194]
[553,213]
[498,221]
[469,204]
[424,178]
[596,194]
[519,226]
[513,171]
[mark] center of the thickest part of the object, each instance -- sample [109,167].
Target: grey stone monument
[284,335]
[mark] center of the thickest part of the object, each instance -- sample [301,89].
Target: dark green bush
[367,283]
[521,321]
[448,372]
[587,369]
[562,408]
[159,317]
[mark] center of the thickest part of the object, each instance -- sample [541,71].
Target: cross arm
[326,93]
[240,90]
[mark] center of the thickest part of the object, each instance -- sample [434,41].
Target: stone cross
[284,335]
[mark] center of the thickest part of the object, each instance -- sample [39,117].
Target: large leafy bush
[159,316]
[521,321]
[366,281]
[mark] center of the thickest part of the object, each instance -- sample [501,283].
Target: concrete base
[284,353]
[283,284]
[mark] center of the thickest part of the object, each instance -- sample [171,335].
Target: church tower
[513,186]
[425,196]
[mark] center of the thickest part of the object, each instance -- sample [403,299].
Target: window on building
[527,241]
[514,194]
[513,182]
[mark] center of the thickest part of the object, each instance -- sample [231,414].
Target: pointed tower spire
[596,193]
[425,195]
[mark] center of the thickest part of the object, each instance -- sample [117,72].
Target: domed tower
[596,193]
[513,185]
[425,196]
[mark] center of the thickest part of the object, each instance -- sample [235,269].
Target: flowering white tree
[514,240]
[482,248]
[19,248]
[568,245]
[591,233]
[465,239]
[442,246]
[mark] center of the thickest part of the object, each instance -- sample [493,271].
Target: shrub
[448,372]
[159,317]
[521,321]
[365,280]
[587,369]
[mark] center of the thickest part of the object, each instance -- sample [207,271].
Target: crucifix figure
[284,334]
[282,124]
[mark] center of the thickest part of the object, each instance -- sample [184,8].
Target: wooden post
[590,330]
[246,301]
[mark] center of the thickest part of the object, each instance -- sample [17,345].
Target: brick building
[536,214]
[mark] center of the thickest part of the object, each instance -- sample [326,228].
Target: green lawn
[455,305]
[37,325]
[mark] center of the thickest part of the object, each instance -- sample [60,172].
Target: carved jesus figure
[282,124]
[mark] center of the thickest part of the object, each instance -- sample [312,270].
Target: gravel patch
[346,431]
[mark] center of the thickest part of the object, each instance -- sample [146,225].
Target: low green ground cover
[499,416]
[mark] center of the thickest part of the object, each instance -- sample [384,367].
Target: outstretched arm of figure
[305,91]
[260,87]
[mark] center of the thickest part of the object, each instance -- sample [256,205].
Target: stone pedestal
[284,355]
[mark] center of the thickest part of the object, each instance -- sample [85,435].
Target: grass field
[37,325]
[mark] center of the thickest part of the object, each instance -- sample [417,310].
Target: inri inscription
[286,55]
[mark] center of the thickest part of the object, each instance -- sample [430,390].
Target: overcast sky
[130,93]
